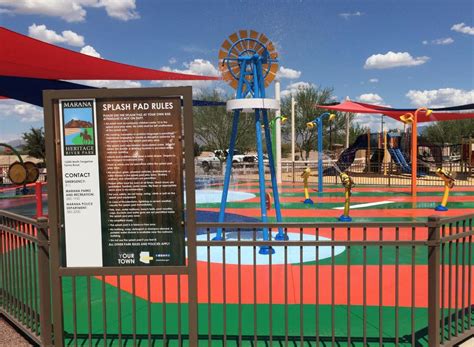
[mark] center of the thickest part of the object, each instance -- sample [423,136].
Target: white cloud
[374,122]
[21,110]
[393,59]
[293,88]
[347,15]
[71,10]
[371,98]
[374,80]
[89,50]
[172,61]
[195,67]
[284,72]
[442,41]
[463,28]
[200,67]
[67,37]
[120,9]
[442,97]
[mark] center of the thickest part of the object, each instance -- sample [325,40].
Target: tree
[213,125]
[356,130]
[35,143]
[306,139]
[449,131]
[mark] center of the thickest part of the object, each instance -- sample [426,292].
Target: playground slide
[347,157]
[399,159]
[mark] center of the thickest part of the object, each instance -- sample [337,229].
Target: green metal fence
[390,284]
[25,279]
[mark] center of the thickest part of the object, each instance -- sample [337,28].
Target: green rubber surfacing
[121,332]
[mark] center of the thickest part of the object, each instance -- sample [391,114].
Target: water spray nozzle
[347,181]
[446,177]
[407,118]
[306,173]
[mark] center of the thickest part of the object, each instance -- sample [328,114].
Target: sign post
[116,193]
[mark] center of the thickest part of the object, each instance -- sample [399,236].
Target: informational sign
[122,178]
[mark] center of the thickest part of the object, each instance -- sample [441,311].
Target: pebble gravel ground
[10,337]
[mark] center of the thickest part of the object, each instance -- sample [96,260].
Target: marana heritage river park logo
[78,127]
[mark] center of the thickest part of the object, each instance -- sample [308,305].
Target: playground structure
[379,149]
[389,153]
[248,62]
[467,155]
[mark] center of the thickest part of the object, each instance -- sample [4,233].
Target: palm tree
[35,143]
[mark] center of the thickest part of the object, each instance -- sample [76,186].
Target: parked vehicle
[219,157]
[210,162]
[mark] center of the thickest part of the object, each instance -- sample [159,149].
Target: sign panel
[121,161]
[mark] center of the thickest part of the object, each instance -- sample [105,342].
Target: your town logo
[126,259]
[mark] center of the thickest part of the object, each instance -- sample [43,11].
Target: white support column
[293,103]
[347,129]
[347,125]
[278,133]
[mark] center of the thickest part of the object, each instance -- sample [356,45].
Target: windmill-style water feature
[248,62]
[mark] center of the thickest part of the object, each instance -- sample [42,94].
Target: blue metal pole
[319,123]
[228,170]
[280,236]
[261,178]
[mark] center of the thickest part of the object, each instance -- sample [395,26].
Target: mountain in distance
[16,143]
[77,123]
[421,128]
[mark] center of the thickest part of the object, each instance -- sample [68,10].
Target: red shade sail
[22,56]
[439,114]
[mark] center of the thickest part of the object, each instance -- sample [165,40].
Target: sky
[398,53]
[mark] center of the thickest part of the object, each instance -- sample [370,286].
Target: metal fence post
[390,172]
[293,169]
[433,280]
[44,279]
